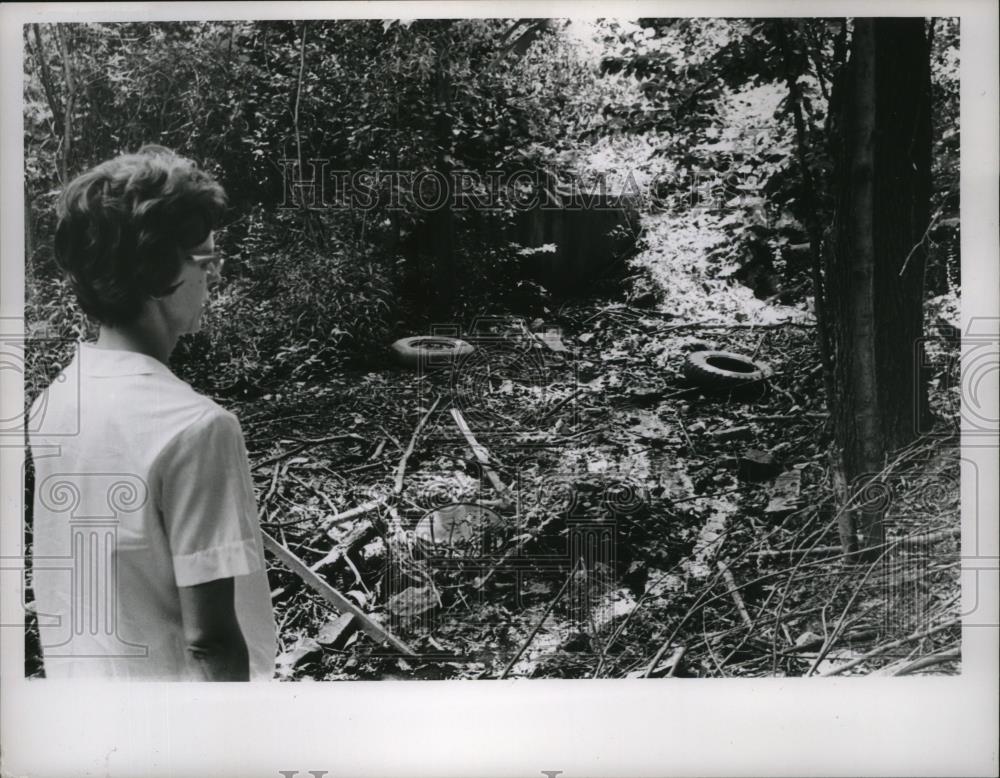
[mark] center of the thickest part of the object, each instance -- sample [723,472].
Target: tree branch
[45,76]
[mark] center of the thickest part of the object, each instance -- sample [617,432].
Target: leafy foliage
[248,99]
[696,115]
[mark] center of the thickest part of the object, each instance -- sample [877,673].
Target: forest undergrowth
[624,523]
[687,567]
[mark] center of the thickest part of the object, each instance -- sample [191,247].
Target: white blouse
[142,486]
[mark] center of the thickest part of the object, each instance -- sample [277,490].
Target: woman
[148,562]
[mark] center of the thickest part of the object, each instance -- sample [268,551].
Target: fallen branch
[681,326]
[354,540]
[359,510]
[887,647]
[328,439]
[274,485]
[910,540]
[682,392]
[926,539]
[478,450]
[401,468]
[675,661]
[929,661]
[709,325]
[341,603]
[734,591]
[817,642]
[818,415]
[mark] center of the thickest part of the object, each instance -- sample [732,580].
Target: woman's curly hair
[125,224]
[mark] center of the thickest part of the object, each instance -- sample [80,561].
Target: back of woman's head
[125,225]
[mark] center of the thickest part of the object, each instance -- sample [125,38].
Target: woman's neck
[140,337]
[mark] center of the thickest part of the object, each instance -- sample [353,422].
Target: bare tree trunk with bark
[67,124]
[875,265]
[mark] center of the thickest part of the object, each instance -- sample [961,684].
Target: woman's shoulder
[182,405]
[208,430]
[206,414]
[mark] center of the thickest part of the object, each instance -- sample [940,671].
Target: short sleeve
[207,502]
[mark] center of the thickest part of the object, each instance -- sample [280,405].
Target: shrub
[290,312]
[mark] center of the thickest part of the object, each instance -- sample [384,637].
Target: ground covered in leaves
[564,503]
[602,517]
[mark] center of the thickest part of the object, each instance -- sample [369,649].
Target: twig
[322,495]
[681,393]
[681,326]
[838,628]
[749,632]
[290,523]
[274,485]
[341,603]
[541,621]
[911,540]
[391,437]
[708,646]
[378,449]
[684,432]
[503,560]
[278,457]
[803,551]
[401,468]
[359,468]
[351,513]
[569,398]
[255,418]
[328,439]
[734,591]
[888,646]
[303,445]
[919,243]
[758,325]
[788,417]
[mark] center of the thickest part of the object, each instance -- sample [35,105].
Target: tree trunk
[443,220]
[875,266]
[810,206]
[29,234]
[45,76]
[67,124]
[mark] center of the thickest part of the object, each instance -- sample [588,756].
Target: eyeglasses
[213,261]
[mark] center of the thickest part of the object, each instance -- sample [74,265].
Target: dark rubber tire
[429,351]
[723,370]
